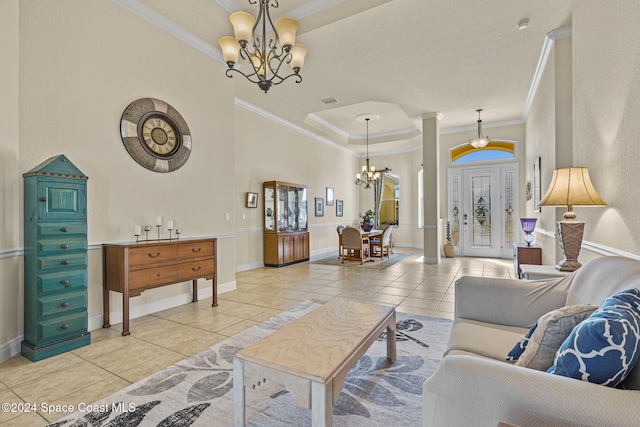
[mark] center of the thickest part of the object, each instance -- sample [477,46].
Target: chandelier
[264,59]
[480,141]
[369,175]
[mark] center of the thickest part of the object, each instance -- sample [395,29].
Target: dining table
[357,256]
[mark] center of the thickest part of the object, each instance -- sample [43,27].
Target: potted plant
[367,223]
[449,248]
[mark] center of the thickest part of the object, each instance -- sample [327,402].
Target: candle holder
[158,227]
[147,228]
[528,226]
[177,234]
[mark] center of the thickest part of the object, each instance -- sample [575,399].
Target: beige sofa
[475,386]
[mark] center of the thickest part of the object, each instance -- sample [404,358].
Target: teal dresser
[55,259]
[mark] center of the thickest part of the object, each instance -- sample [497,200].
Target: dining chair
[355,246]
[381,243]
[339,229]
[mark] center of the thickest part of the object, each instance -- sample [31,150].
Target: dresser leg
[195,290]
[125,313]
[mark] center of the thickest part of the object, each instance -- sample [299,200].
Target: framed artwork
[338,207]
[252,200]
[329,196]
[319,206]
[536,186]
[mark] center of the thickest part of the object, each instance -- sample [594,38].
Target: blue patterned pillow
[521,346]
[604,348]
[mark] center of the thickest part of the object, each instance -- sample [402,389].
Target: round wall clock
[155,135]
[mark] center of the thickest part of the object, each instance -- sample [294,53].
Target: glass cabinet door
[302,209]
[292,208]
[269,206]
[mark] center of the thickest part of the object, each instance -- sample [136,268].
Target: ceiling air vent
[329,101]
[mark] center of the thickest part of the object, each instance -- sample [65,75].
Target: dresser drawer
[152,277]
[194,250]
[61,229]
[64,280]
[65,261]
[61,327]
[195,269]
[62,244]
[144,257]
[62,303]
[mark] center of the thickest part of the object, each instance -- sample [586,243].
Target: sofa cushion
[604,348]
[484,339]
[551,331]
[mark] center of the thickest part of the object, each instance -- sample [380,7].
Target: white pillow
[553,329]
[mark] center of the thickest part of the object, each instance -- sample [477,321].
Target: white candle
[170,225]
[137,230]
[159,221]
[147,227]
[177,231]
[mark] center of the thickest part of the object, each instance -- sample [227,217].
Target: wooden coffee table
[312,355]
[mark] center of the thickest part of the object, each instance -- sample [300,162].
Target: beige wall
[81,63]
[268,151]
[606,98]
[603,96]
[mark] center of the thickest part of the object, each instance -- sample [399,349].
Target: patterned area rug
[377,262]
[198,390]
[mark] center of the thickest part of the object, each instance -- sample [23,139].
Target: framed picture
[338,207]
[329,196]
[252,200]
[536,186]
[319,206]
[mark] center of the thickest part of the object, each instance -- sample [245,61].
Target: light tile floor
[112,362]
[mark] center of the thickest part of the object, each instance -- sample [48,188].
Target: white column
[431,186]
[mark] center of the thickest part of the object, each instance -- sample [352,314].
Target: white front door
[482,209]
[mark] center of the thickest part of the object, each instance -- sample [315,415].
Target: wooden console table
[132,268]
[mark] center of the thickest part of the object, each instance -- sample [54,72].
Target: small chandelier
[369,175]
[264,58]
[480,141]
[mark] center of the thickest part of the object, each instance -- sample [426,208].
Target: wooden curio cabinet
[286,235]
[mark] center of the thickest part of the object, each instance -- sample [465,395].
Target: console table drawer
[187,251]
[61,303]
[195,269]
[62,326]
[153,277]
[144,257]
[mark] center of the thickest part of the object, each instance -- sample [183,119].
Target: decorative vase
[366,225]
[528,226]
[449,249]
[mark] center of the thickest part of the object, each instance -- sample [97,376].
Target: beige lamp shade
[243,23]
[230,49]
[571,187]
[286,29]
[298,53]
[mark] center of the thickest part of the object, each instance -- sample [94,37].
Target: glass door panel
[302,209]
[269,213]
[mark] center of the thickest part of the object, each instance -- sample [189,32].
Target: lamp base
[570,235]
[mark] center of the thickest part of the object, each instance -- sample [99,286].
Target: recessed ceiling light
[523,24]
[329,100]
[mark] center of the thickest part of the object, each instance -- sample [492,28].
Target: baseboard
[12,347]
[96,322]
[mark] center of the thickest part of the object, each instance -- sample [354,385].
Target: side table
[523,254]
[535,272]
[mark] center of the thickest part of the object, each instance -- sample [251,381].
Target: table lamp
[571,187]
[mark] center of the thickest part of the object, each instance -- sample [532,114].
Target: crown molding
[431,115]
[547,47]
[170,27]
[266,114]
